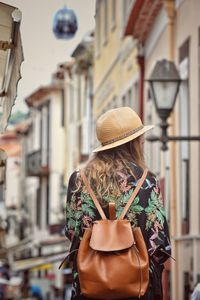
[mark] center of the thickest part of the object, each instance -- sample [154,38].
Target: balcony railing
[35,166]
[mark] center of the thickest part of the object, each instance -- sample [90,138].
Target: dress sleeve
[80,208]
[159,246]
[73,208]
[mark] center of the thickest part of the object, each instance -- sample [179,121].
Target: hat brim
[124,140]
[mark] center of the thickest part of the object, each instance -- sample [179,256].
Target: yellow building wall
[108,50]
[115,65]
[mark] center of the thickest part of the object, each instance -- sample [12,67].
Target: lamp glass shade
[164,94]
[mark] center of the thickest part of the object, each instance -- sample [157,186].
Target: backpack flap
[111,235]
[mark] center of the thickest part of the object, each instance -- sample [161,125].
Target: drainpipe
[141,63]
[169,6]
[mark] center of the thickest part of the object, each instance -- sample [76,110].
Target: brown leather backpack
[112,258]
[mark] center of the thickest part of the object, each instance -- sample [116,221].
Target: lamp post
[164,85]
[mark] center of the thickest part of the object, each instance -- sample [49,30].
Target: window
[129,98]
[113,23]
[184,130]
[1,192]
[136,97]
[105,21]
[80,97]
[79,140]
[71,99]
[47,203]
[124,100]
[45,124]
[38,206]
[48,132]
[114,102]
[41,137]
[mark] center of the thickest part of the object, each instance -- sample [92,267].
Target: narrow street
[62,65]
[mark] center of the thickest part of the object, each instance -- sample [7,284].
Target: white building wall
[56,135]
[57,148]
[13,182]
[36,130]
[55,202]
[13,197]
[87,116]
[44,153]
[33,138]
[43,206]
[71,126]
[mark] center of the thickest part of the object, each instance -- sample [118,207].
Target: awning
[43,267]
[36,262]
[11,58]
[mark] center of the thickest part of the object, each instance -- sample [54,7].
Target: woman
[113,172]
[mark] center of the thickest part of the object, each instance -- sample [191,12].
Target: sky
[42,50]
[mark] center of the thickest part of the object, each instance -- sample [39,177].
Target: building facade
[11,57]
[42,188]
[10,191]
[170,29]
[53,141]
[78,88]
[116,71]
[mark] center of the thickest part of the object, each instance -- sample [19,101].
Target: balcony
[37,165]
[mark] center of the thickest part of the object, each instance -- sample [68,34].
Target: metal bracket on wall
[4,45]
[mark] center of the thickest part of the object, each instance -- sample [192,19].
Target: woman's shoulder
[151,176]
[74,175]
[151,179]
[73,179]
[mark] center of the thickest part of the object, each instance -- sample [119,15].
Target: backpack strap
[90,191]
[134,194]
[112,213]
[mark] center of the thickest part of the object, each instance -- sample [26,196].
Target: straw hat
[118,126]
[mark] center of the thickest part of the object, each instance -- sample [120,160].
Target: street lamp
[164,85]
[65,24]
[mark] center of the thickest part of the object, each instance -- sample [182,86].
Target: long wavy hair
[101,168]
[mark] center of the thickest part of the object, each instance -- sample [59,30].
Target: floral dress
[146,211]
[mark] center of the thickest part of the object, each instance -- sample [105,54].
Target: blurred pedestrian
[2,291]
[56,293]
[113,173]
[36,292]
[196,293]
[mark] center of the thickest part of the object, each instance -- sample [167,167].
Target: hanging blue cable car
[65,24]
